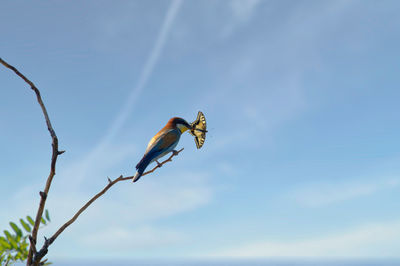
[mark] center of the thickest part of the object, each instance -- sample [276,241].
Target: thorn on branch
[43,195]
[109,180]
[60,152]
[43,262]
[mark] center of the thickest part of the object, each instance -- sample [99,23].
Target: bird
[162,143]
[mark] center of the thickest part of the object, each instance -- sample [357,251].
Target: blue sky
[301,100]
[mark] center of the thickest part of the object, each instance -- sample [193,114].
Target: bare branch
[43,251]
[33,245]
[55,153]
[34,256]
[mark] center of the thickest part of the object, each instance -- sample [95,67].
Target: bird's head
[179,123]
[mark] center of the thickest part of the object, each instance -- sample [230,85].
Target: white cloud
[122,239]
[372,240]
[316,195]
[243,10]
[156,197]
[152,198]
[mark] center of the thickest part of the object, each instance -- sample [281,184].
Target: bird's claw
[158,163]
[175,152]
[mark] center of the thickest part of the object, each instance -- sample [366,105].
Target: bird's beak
[184,128]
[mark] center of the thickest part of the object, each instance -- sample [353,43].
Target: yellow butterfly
[199,129]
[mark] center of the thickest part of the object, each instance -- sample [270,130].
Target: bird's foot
[158,163]
[175,152]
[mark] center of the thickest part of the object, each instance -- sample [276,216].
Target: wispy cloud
[110,238]
[157,198]
[371,240]
[241,12]
[316,195]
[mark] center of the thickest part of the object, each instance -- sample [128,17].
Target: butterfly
[199,129]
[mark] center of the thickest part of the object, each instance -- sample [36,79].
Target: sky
[301,100]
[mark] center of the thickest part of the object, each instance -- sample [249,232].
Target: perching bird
[162,143]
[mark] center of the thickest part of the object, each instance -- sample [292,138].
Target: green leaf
[25,225]
[43,221]
[17,256]
[30,220]
[4,243]
[8,235]
[47,215]
[16,229]
[13,243]
[24,246]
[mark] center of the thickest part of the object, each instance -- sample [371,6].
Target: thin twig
[43,251]
[55,153]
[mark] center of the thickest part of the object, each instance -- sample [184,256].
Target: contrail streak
[146,73]
[126,110]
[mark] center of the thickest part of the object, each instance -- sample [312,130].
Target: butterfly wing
[199,129]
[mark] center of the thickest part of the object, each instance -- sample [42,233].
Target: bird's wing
[162,142]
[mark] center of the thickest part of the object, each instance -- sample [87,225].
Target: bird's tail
[137,177]
[140,167]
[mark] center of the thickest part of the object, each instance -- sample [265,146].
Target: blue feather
[153,153]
